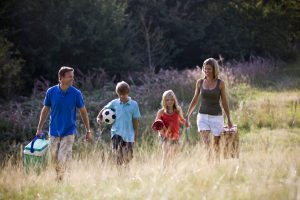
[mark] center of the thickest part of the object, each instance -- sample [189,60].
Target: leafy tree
[118,36]
[10,70]
[245,28]
[163,30]
[85,34]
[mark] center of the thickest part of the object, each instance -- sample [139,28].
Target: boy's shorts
[122,150]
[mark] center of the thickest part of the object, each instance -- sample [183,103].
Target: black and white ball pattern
[108,116]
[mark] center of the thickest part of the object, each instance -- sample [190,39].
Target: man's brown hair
[63,70]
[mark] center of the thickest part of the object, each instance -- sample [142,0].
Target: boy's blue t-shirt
[63,106]
[125,113]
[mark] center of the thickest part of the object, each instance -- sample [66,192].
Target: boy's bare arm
[99,116]
[136,127]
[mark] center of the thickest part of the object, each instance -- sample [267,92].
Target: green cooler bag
[35,154]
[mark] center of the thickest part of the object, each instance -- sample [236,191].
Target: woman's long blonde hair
[214,63]
[176,105]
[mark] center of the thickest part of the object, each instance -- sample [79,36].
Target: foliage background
[120,36]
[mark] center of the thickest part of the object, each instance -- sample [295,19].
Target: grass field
[267,113]
[268,168]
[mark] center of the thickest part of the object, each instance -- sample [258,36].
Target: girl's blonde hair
[176,105]
[214,63]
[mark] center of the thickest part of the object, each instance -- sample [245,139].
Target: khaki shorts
[61,151]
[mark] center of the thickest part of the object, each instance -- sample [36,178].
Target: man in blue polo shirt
[61,101]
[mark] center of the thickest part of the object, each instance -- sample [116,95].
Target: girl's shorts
[167,140]
[213,123]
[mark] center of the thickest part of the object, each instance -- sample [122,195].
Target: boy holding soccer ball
[125,127]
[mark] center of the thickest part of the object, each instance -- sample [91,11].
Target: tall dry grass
[268,168]
[268,120]
[250,106]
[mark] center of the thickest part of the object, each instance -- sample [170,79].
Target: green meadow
[266,108]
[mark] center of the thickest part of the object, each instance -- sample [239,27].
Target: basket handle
[33,141]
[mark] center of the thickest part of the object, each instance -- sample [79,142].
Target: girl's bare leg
[166,152]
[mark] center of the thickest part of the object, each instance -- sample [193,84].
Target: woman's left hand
[187,123]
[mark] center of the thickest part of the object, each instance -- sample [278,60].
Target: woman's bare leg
[206,139]
[216,147]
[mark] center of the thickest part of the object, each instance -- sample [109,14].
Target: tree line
[37,36]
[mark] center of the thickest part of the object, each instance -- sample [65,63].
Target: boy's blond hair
[122,88]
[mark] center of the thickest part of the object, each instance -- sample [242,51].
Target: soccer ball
[108,116]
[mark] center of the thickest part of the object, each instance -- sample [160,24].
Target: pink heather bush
[246,71]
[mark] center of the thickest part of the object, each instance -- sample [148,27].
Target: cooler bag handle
[33,141]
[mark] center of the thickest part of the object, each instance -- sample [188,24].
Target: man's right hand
[39,133]
[88,136]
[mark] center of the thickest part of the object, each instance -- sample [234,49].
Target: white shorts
[213,123]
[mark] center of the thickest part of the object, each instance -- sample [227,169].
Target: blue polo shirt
[63,106]
[125,113]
